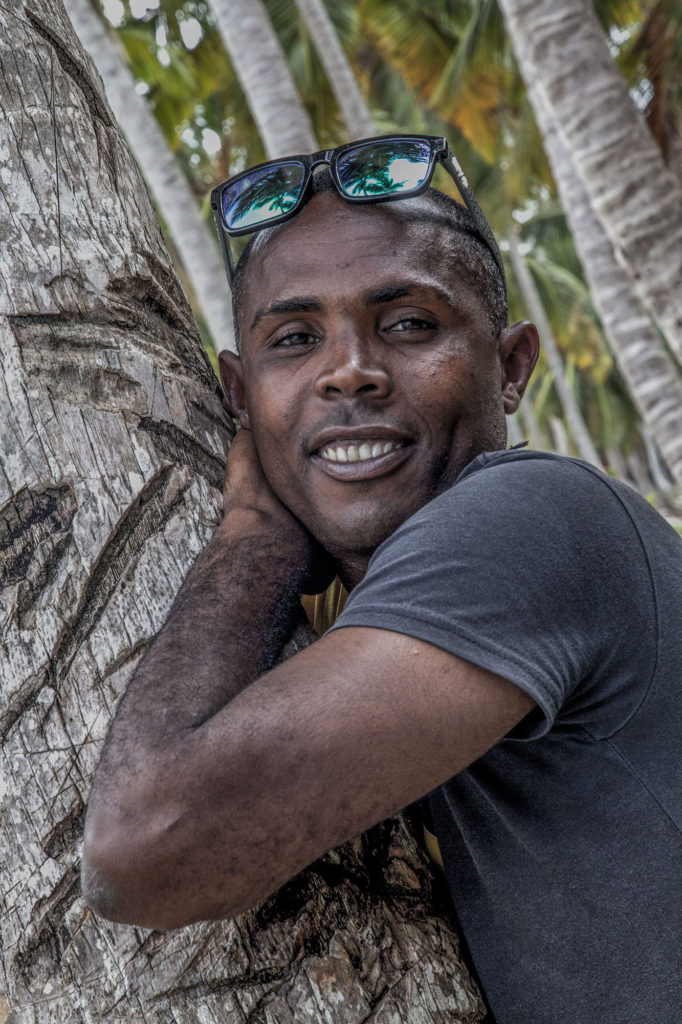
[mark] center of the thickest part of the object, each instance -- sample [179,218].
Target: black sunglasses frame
[440,152]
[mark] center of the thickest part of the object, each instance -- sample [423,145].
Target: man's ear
[519,347]
[231,375]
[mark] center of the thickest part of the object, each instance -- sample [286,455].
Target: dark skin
[223,776]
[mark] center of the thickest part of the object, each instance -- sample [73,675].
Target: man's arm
[219,782]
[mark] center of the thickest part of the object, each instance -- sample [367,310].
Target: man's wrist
[264,530]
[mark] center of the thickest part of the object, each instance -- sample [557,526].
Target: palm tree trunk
[563,56]
[260,65]
[571,409]
[530,425]
[514,432]
[649,372]
[112,447]
[354,110]
[193,240]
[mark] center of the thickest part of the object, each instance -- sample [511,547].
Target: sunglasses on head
[375,170]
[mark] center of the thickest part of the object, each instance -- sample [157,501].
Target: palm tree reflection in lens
[384,169]
[270,195]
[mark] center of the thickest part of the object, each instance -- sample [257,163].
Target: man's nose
[354,367]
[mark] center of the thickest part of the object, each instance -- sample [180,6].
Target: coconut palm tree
[353,107]
[193,241]
[261,66]
[563,53]
[569,404]
[652,377]
[112,448]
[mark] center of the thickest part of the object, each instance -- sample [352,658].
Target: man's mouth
[351,451]
[361,454]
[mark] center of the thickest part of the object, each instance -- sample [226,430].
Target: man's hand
[246,489]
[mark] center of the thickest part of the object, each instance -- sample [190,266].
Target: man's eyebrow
[377,295]
[400,291]
[294,305]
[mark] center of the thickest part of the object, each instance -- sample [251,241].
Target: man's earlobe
[231,376]
[519,347]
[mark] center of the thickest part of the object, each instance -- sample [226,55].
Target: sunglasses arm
[224,244]
[457,174]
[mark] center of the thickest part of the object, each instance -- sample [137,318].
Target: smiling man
[510,646]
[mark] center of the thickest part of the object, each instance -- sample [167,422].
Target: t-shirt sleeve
[531,568]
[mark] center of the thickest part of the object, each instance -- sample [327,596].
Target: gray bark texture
[563,56]
[112,448]
[260,65]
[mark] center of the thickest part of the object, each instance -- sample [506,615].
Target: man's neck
[352,568]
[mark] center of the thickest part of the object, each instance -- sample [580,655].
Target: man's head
[375,361]
[433,206]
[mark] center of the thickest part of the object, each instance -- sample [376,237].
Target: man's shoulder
[542,490]
[502,485]
[520,462]
[535,514]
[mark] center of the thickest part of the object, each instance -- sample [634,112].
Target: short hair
[432,206]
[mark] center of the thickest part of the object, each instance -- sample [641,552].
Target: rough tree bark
[112,445]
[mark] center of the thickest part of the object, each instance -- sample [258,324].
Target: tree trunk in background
[260,65]
[354,110]
[567,400]
[651,375]
[530,425]
[194,241]
[112,446]
[562,54]
[514,431]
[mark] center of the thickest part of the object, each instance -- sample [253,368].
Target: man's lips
[360,453]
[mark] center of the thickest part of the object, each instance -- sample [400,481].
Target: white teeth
[347,452]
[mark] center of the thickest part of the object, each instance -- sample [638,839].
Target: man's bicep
[354,728]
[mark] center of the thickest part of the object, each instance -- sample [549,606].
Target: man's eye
[411,323]
[295,339]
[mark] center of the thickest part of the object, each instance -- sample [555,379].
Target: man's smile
[348,451]
[359,453]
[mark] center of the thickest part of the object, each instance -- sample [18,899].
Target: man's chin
[360,535]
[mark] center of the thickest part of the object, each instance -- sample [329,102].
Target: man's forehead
[331,233]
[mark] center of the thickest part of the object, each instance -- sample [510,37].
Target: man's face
[371,376]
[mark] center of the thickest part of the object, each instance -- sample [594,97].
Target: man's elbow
[112,880]
[131,877]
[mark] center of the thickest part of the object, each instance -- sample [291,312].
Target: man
[512,648]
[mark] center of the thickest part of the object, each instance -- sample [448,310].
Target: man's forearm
[231,617]
[227,626]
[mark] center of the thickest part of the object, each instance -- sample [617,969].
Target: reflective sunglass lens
[384,168]
[262,195]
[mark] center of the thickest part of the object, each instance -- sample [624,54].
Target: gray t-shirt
[562,844]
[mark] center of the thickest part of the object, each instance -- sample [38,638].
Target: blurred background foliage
[449,69]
